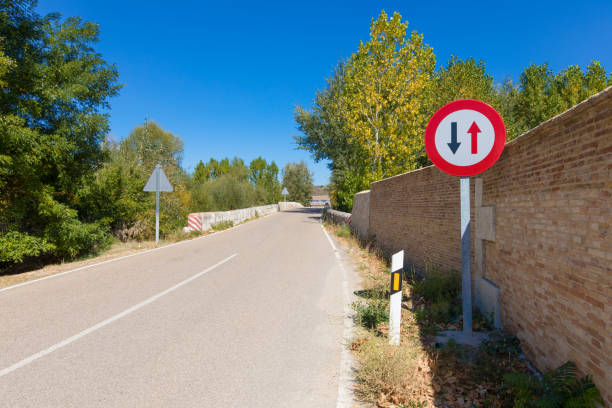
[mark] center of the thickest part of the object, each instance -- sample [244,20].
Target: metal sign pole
[157,207]
[466,253]
[158,181]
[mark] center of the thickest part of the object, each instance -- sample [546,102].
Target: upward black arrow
[454,145]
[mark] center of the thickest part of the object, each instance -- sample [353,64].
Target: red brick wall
[552,256]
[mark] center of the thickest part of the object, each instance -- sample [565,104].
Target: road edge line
[346,398]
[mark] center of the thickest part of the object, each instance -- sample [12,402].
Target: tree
[150,144]
[381,99]
[298,181]
[542,94]
[55,87]
[114,194]
[264,177]
[369,120]
[324,135]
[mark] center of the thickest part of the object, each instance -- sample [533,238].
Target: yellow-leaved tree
[382,98]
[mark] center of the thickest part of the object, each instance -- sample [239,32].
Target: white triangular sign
[285,192]
[158,181]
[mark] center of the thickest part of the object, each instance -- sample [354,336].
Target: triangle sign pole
[157,176]
[158,181]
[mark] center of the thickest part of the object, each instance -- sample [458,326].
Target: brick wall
[551,255]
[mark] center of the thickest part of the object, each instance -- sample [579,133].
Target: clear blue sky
[226,76]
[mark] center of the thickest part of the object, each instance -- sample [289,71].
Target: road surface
[249,317]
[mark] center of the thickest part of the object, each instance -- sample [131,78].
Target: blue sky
[226,76]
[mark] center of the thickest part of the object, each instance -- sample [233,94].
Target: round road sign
[465,137]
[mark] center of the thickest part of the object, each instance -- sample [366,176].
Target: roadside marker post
[395,299]
[465,138]
[158,181]
[285,193]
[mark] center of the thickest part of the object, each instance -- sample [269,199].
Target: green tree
[381,99]
[114,194]
[324,135]
[55,87]
[201,173]
[369,120]
[264,177]
[298,181]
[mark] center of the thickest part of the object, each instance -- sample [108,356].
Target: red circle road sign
[465,137]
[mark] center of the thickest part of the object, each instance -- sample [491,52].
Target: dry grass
[387,375]
[390,375]
[420,373]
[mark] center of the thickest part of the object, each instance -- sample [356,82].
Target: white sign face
[472,147]
[158,181]
[285,192]
[465,137]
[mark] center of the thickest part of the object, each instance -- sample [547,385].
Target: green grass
[344,231]
[218,226]
[372,312]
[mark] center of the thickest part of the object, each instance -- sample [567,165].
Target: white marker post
[157,182]
[395,301]
[285,193]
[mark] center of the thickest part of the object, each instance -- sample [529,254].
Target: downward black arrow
[454,145]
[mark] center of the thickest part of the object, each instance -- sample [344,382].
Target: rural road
[249,317]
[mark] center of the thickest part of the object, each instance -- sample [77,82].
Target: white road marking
[345,380]
[329,238]
[121,257]
[108,321]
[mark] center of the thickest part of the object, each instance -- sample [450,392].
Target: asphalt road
[250,317]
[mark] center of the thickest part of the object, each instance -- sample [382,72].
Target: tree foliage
[55,87]
[297,179]
[369,120]
[384,81]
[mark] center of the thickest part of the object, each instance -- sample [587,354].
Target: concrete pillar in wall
[486,293]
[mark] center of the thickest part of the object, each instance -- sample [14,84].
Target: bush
[344,231]
[439,286]
[15,246]
[370,313]
[441,291]
[557,388]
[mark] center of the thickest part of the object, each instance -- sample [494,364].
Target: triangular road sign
[285,192]
[158,181]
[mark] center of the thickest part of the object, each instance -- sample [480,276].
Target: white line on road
[345,380]
[121,257]
[329,238]
[108,321]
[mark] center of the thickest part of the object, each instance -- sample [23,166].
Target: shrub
[370,313]
[15,246]
[69,236]
[557,388]
[441,291]
[439,286]
[344,231]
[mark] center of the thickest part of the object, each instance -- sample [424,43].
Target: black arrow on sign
[454,145]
